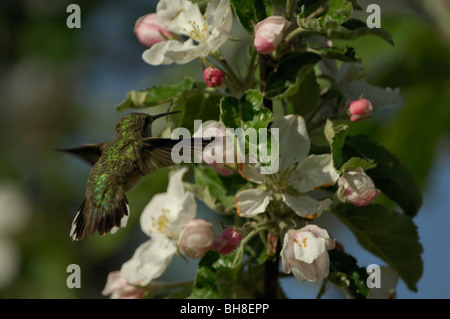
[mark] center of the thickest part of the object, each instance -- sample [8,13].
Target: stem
[265,69]
[245,241]
[323,289]
[228,70]
[290,7]
[271,275]
[251,68]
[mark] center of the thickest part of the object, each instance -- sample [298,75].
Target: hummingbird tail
[104,219]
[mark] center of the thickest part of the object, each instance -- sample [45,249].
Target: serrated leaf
[356,162]
[339,11]
[336,136]
[156,95]
[247,112]
[194,105]
[387,234]
[360,28]
[215,278]
[390,175]
[344,267]
[305,100]
[285,80]
[250,12]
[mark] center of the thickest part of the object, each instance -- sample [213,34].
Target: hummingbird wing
[88,152]
[158,152]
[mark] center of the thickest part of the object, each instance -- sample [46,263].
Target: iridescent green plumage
[118,166]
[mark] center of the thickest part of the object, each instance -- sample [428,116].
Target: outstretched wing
[88,152]
[164,152]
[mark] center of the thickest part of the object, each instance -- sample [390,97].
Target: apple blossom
[305,253]
[357,188]
[205,32]
[196,238]
[296,169]
[359,110]
[118,288]
[149,31]
[163,219]
[227,241]
[268,33]
[213,77]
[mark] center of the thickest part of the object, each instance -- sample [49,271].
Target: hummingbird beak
[157,116]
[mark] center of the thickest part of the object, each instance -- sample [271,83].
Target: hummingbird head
[138,124]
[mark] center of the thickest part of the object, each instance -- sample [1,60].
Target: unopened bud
[357,188]
[149,31]
[226,242]
[213,77]
[359,110]
[196,238]
[269,33]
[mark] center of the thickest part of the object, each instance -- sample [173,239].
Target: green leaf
[307,97]
[247,112]
[359,28]
[285,80]
[205,280]
[387,234]
[339,11]
[356,162]
[215,278]
[250,12]
[336,138]
[155,96]
[216,191]
[390,175]
[194,104]
[341,54]
[344,271]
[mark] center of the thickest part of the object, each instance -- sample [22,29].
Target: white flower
[297,170]
[163,219]
[305,253]
[206,32]
[167,213]
[149,261]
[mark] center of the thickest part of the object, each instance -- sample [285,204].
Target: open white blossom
[297,170]
[206,33]
[163,219]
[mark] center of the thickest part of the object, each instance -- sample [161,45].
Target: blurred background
[58,89]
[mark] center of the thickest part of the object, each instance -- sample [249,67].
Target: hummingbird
[117,168]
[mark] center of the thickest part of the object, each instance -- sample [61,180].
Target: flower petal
[294,140]
[179,16]
[173,51]
[220,19]
[252,202]
[149,261]
[306,206]
[314,172]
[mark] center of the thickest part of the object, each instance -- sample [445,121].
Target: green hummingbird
[117,167]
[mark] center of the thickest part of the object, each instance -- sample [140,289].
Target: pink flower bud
[269,33]
[149,31]
[357,188]
[119,288]
[226,242]
[213,77]
[196,238]
[359,110]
